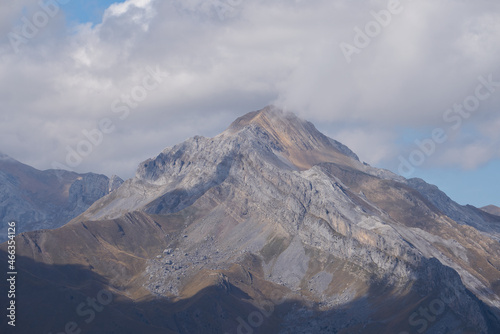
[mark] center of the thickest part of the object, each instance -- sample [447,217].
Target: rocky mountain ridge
[272,226]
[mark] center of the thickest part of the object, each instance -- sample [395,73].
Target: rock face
[37,199]
[269,227]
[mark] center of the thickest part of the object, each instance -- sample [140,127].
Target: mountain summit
[269,227]
[178,175]
[304,145]
[492,209]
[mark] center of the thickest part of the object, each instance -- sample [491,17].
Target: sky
[411,86]
[83,11]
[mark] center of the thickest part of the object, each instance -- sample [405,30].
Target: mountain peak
[299,139]
[229,217]
[269,117]
[275,121]
[492,209]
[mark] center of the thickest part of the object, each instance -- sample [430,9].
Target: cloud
[228,57]
[373,145]
[470,156]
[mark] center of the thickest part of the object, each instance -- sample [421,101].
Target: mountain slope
[464,215]
[46,199]
[269,227]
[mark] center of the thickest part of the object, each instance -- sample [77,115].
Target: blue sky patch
[80,11]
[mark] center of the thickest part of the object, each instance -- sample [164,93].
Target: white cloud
[223,61]
[373,145]
[491,129]
[470,156]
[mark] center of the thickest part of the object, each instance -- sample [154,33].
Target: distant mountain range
[46,199]
[492,209]
[269,227]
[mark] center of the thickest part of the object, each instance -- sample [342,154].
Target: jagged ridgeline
[269,227]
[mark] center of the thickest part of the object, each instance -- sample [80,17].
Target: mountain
[492,209]
[483,221]
[269,227]
[46,199]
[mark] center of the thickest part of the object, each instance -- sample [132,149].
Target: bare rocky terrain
[269,227]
